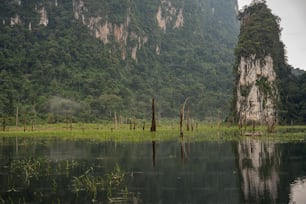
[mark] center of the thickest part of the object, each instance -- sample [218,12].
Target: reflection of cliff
[298,191]
[259,164]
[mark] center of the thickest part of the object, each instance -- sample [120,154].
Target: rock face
[104,29]
[43,16]
[130,40]
[167,14]
[256,90]
[15,20]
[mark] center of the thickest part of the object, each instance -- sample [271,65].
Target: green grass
[123,132]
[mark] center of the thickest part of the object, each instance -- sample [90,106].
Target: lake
[53,170]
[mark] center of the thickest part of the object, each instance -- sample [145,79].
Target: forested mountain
[91,58]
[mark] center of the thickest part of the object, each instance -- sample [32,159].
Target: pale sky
[293,22]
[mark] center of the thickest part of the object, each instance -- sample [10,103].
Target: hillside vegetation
[54,62]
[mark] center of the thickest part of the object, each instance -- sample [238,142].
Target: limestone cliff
[168,14]
[256,90]
[43,16]
[260,67]
[130,40]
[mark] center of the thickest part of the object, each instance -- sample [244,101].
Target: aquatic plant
[112,183]
[25,169]
[89,183]
[114,180]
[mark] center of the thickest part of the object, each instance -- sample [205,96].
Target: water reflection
[78,171]
[248,171]
[154,153]
[185,149]
[298,191]
[259,167]
[182,145]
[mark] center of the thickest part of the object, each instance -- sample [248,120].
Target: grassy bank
[129,133]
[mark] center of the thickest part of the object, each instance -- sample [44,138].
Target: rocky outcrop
[179,20]
[102,32]
[105,30]
[15,20]
[168,14]
[157,50]
[18,2]
[79,9]
[43,16]
[160,20]
[256,90]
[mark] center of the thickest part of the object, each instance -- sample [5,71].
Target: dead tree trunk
[218,119]
[181,121]
[24,124]
[70,123]
[153,124]
[3,124]
[67,122]
[115,121]
[130,123]
[188,119]
[17,117]
[192,125]
[182,117]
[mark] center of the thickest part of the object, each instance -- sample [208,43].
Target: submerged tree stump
[17,117]
[181,121]
[153,124]
[182,116]
[188,119]
[3,125]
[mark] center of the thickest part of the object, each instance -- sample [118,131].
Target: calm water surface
[59,171]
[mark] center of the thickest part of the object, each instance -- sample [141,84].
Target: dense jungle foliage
[260,35]
[60,70]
